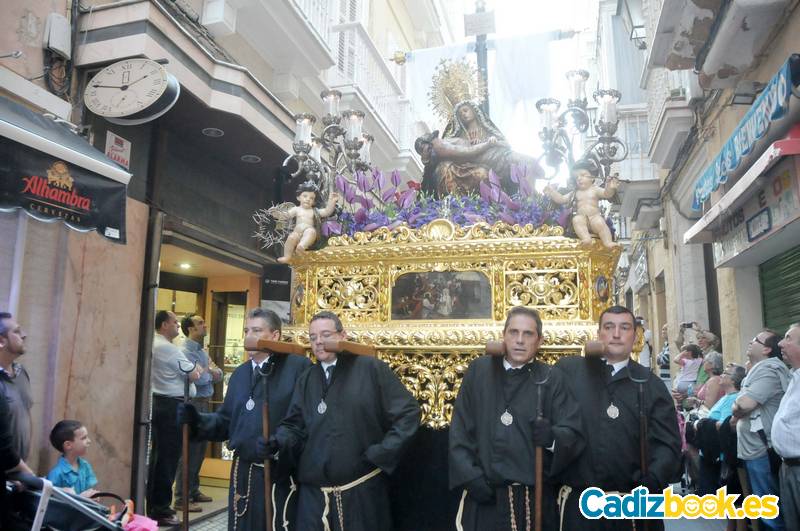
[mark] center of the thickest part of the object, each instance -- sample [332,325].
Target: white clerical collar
[326,364]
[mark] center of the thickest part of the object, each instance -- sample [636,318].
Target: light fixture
[251,159]
[745,92]
[213,132]
[559,128]
[185,265]
[341,149]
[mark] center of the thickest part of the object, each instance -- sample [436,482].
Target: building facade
[194,176]
[724,251]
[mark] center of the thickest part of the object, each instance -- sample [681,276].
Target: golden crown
[453,82]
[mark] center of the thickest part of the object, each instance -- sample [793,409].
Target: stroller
[41,506]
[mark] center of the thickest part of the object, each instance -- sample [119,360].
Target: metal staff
[643,430]
[185,449]
[265,369]
[497,348]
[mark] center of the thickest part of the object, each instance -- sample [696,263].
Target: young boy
[72,472]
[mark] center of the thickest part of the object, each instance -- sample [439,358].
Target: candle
[577,81]
[316,150]
[363,153]
[331,99]
[353,123]
[303,123]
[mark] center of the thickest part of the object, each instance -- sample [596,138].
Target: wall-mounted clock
[132,91]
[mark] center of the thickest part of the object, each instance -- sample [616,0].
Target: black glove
[542,433]
[187,414]
[480,490]
[649,481]
[266,449]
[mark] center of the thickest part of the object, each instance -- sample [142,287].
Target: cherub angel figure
[306,216]
[585,199]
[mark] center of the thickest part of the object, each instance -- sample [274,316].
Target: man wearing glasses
[755,409]
[349,422]
[786,432]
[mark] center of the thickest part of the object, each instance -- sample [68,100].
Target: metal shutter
[780,290]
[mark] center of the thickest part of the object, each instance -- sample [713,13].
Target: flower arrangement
[375,201]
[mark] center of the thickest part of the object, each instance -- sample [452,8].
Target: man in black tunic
[496,428]
[239,422]
[349,422]
[607,391]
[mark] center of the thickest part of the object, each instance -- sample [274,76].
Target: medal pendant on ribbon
[612,411]
[322,407]
[250,404]
[506,418]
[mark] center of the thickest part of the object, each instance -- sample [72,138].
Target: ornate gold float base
[490,269]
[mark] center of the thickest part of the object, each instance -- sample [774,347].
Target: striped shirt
[786,424]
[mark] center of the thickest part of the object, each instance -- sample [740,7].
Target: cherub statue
[585,199]
[306,216]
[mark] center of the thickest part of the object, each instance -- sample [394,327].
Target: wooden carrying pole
[276,347]
[333,345]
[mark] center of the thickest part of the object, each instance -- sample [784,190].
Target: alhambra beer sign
[57,193]
[53,189]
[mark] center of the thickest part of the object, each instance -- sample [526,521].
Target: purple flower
[341,184]
[363,182]
[388,194]
[494,180]
[485,191]
[360,216]
[380,180]
[331,227]
[508,218]
[408,200]
[396,178]
[349,193]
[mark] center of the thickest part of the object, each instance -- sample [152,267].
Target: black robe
[241,428]
[481,446]
[369,420]
[611,460]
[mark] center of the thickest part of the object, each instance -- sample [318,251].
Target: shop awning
[744,188]
[55,174]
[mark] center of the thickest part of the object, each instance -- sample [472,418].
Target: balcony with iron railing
[671,95]
[367,82]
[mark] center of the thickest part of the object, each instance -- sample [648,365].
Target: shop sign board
[52,189]
[770,107]
[118,149]
[771,207]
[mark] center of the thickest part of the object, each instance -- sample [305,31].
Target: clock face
[125,88]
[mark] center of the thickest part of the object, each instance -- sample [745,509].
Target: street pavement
[220,522]
[684,524]
[217,522]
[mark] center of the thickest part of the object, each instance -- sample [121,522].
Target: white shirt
[618,366]
[326,364]
[259,365]
[786,423]
[166,377]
